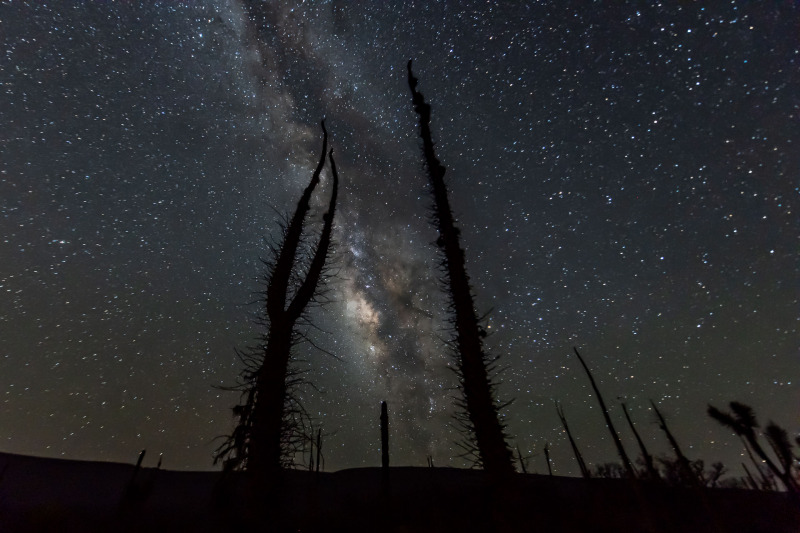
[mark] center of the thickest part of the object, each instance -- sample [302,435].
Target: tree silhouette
[779,441]
[649,464]
[384,437]
[688,473]
[742,420]
[547,458]
[578,456]
[271,422]
[485,433]
[626,462]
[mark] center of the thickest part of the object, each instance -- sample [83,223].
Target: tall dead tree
[547,458]
[649,464]
[485,433]
[268,433]
[384,437]
[575,450]
[319,450]
[687,472]
[626,462]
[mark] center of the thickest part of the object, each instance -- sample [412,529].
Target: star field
[625,179]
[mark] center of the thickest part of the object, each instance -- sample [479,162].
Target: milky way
[625,179]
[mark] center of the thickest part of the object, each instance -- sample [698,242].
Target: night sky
[625,177]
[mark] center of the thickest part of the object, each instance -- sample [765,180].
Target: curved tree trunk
[260,444]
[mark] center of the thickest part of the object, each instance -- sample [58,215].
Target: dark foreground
[55,495]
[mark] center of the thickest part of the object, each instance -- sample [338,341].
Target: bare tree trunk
[261,443]
[752,481]
[384,436]
[522,461]
[547,458]
[765,482]
[650,466]
[319,449]
[686,467]
[626,462]
[578,456]
[264,453]
[482,411]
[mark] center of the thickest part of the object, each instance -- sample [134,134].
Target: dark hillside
[56,495]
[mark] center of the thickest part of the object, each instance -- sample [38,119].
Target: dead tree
[750,479]
[484,432]
[319,449]
[384,436]
[140,486]
[649,464]
[578,456]
[686,470]
[779,441]
[743,422]
[271,427]
[767,482]
[547,458]
[523,461]
[626,462]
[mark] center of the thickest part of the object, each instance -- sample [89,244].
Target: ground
[38,494]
